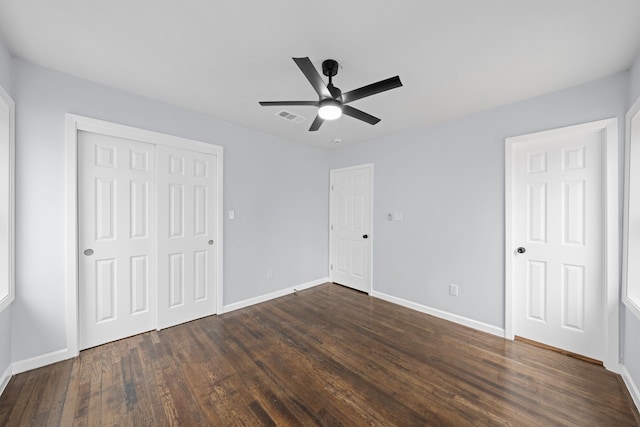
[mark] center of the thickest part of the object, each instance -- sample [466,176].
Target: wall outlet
[270,273]
[453,290]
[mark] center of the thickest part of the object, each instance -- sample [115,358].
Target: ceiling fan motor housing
[330,67]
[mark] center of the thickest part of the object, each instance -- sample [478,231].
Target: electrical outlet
[453,290]
[270,273]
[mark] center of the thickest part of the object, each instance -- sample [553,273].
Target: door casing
[610,186]
[75,123]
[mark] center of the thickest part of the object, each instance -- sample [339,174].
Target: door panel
[187,242]
[350,223]
[116,203]
[559,280]
[537,290]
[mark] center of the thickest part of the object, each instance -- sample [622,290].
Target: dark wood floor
[327,356]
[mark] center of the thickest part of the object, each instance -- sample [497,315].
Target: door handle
[88,252]
[521,250]
[210,242]
[365,236]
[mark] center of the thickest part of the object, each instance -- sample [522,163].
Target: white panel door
[117,265]
[558,261]
[350,228]
[187,240]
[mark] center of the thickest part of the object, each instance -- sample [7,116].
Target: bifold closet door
[116,237]
[187,240]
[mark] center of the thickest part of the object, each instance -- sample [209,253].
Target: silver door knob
[210,242]
[88,252]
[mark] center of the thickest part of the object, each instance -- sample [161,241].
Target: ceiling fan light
[330,110]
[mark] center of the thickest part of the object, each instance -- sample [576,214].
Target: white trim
[75,123]
[634,391]
[71,232]
[371,233]
[465,321]
[40,361]
[612,247]
[273,295]
[632,306]
[508,238]
[611,254]
[128,132]
[5,378]
[9,204]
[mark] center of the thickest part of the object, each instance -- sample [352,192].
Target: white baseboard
[40,361]
[64,354]
[484,327]
[631,385]
[277,294]
[4,378]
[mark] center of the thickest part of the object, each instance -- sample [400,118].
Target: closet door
[116,237]
[187,240]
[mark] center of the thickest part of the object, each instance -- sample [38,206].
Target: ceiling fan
[332,102]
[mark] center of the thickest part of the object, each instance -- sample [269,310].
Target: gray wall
[448,180]
[634,81]
[5,68]
[631,328]
[279,190]
[5,315]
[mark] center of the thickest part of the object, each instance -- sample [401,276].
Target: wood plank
[325,356]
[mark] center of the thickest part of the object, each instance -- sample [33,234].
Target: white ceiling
[454,57]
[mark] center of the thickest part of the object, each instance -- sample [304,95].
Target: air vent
[288,115]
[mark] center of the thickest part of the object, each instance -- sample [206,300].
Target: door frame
[75,123]
[371,233]
[611,235]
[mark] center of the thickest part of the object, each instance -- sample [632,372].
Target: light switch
[231,214]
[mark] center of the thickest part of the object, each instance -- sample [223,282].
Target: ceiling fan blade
[360,115]
[316,124]
[312,75]
[273,103]
[372,89]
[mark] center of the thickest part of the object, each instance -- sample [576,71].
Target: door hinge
[331,227]
[332,188]
[332,266]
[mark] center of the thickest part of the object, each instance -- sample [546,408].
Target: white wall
[278,189]
[448,180]
[5,315]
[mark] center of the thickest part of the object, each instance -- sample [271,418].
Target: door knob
[210,242]
[521,250]
[88,252]
[365,236]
